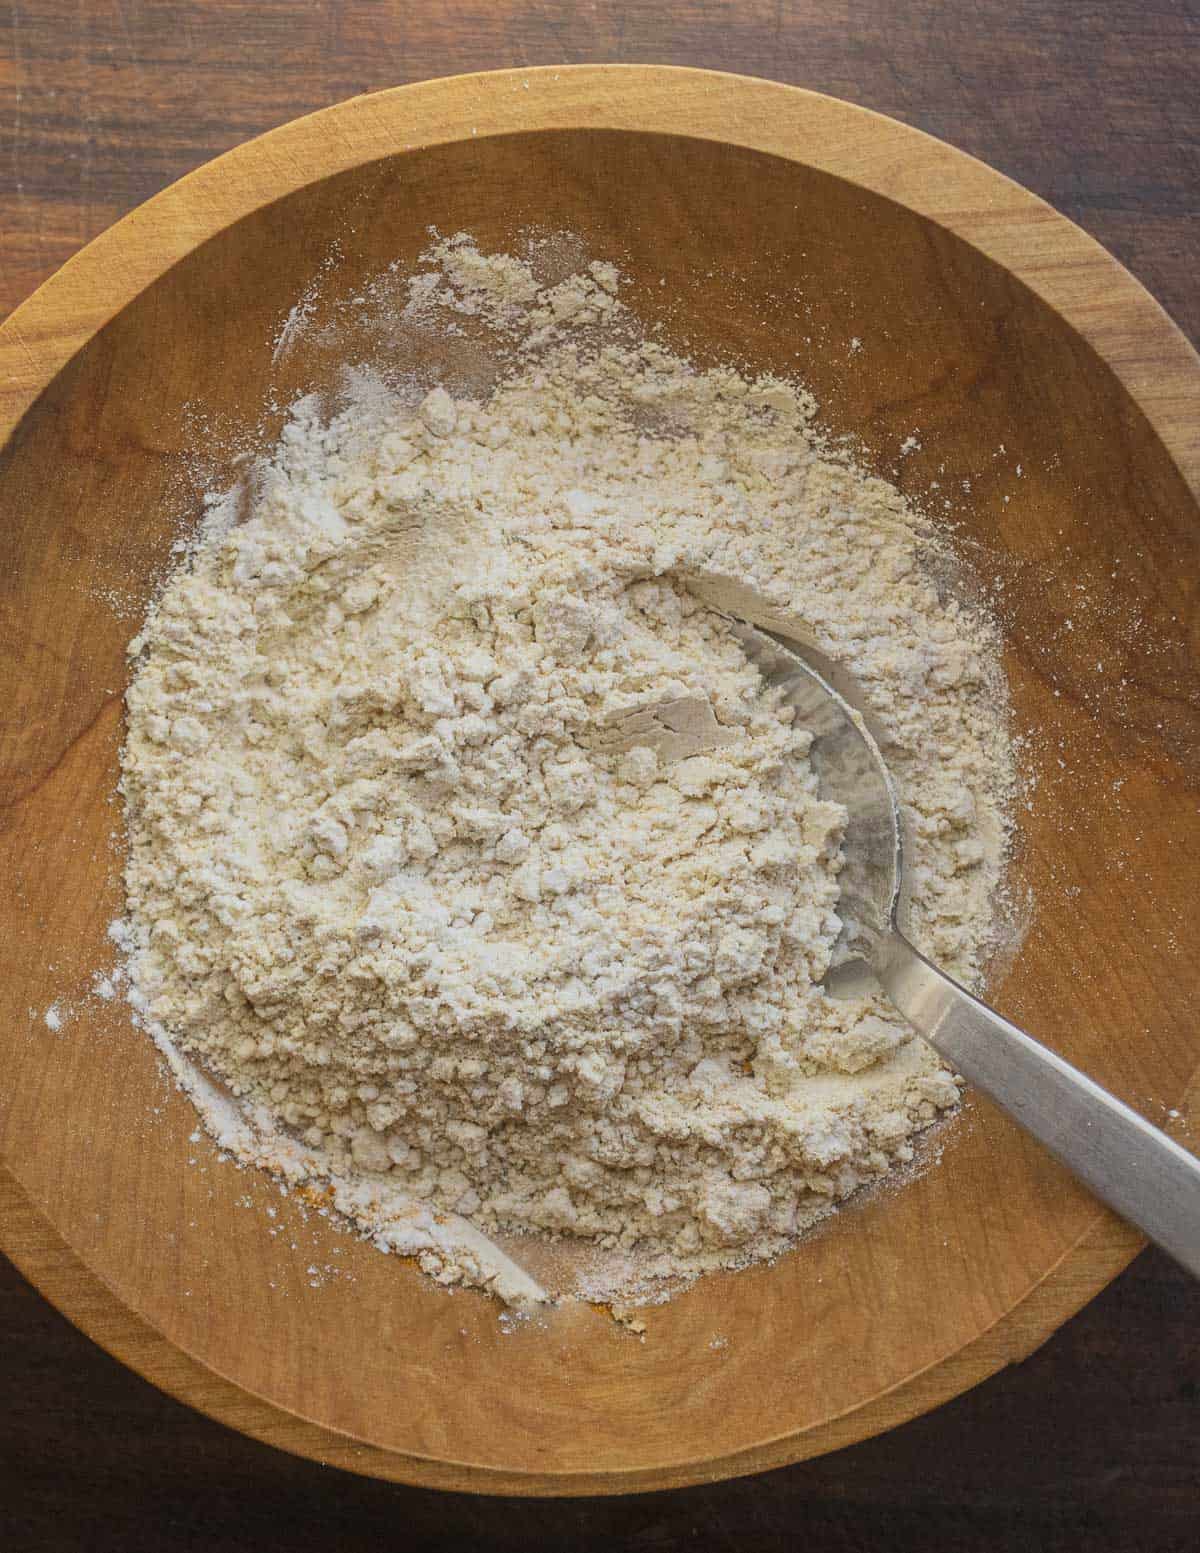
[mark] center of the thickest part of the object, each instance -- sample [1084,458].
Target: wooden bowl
[989,327]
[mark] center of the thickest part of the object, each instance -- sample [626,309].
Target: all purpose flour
[466,850]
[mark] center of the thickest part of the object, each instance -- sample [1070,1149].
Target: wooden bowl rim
[1053,257]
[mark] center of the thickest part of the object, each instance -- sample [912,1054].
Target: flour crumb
[628,1318]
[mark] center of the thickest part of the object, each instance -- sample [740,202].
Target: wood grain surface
[250,60]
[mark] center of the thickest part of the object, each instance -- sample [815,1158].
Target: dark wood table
[1090,1444]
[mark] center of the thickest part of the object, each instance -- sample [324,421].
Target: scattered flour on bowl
[468,857]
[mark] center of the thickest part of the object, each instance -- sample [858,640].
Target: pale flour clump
[463,840]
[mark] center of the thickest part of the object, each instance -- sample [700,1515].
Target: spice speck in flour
[467,851]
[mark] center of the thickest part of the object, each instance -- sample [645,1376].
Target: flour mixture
[466,849]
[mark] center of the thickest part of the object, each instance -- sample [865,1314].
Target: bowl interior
[1076,518]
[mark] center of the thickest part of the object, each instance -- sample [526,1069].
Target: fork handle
[1133,1167]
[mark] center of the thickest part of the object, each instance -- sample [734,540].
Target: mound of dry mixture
[465,846]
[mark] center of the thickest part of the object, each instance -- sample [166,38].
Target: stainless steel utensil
[1137,1170]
